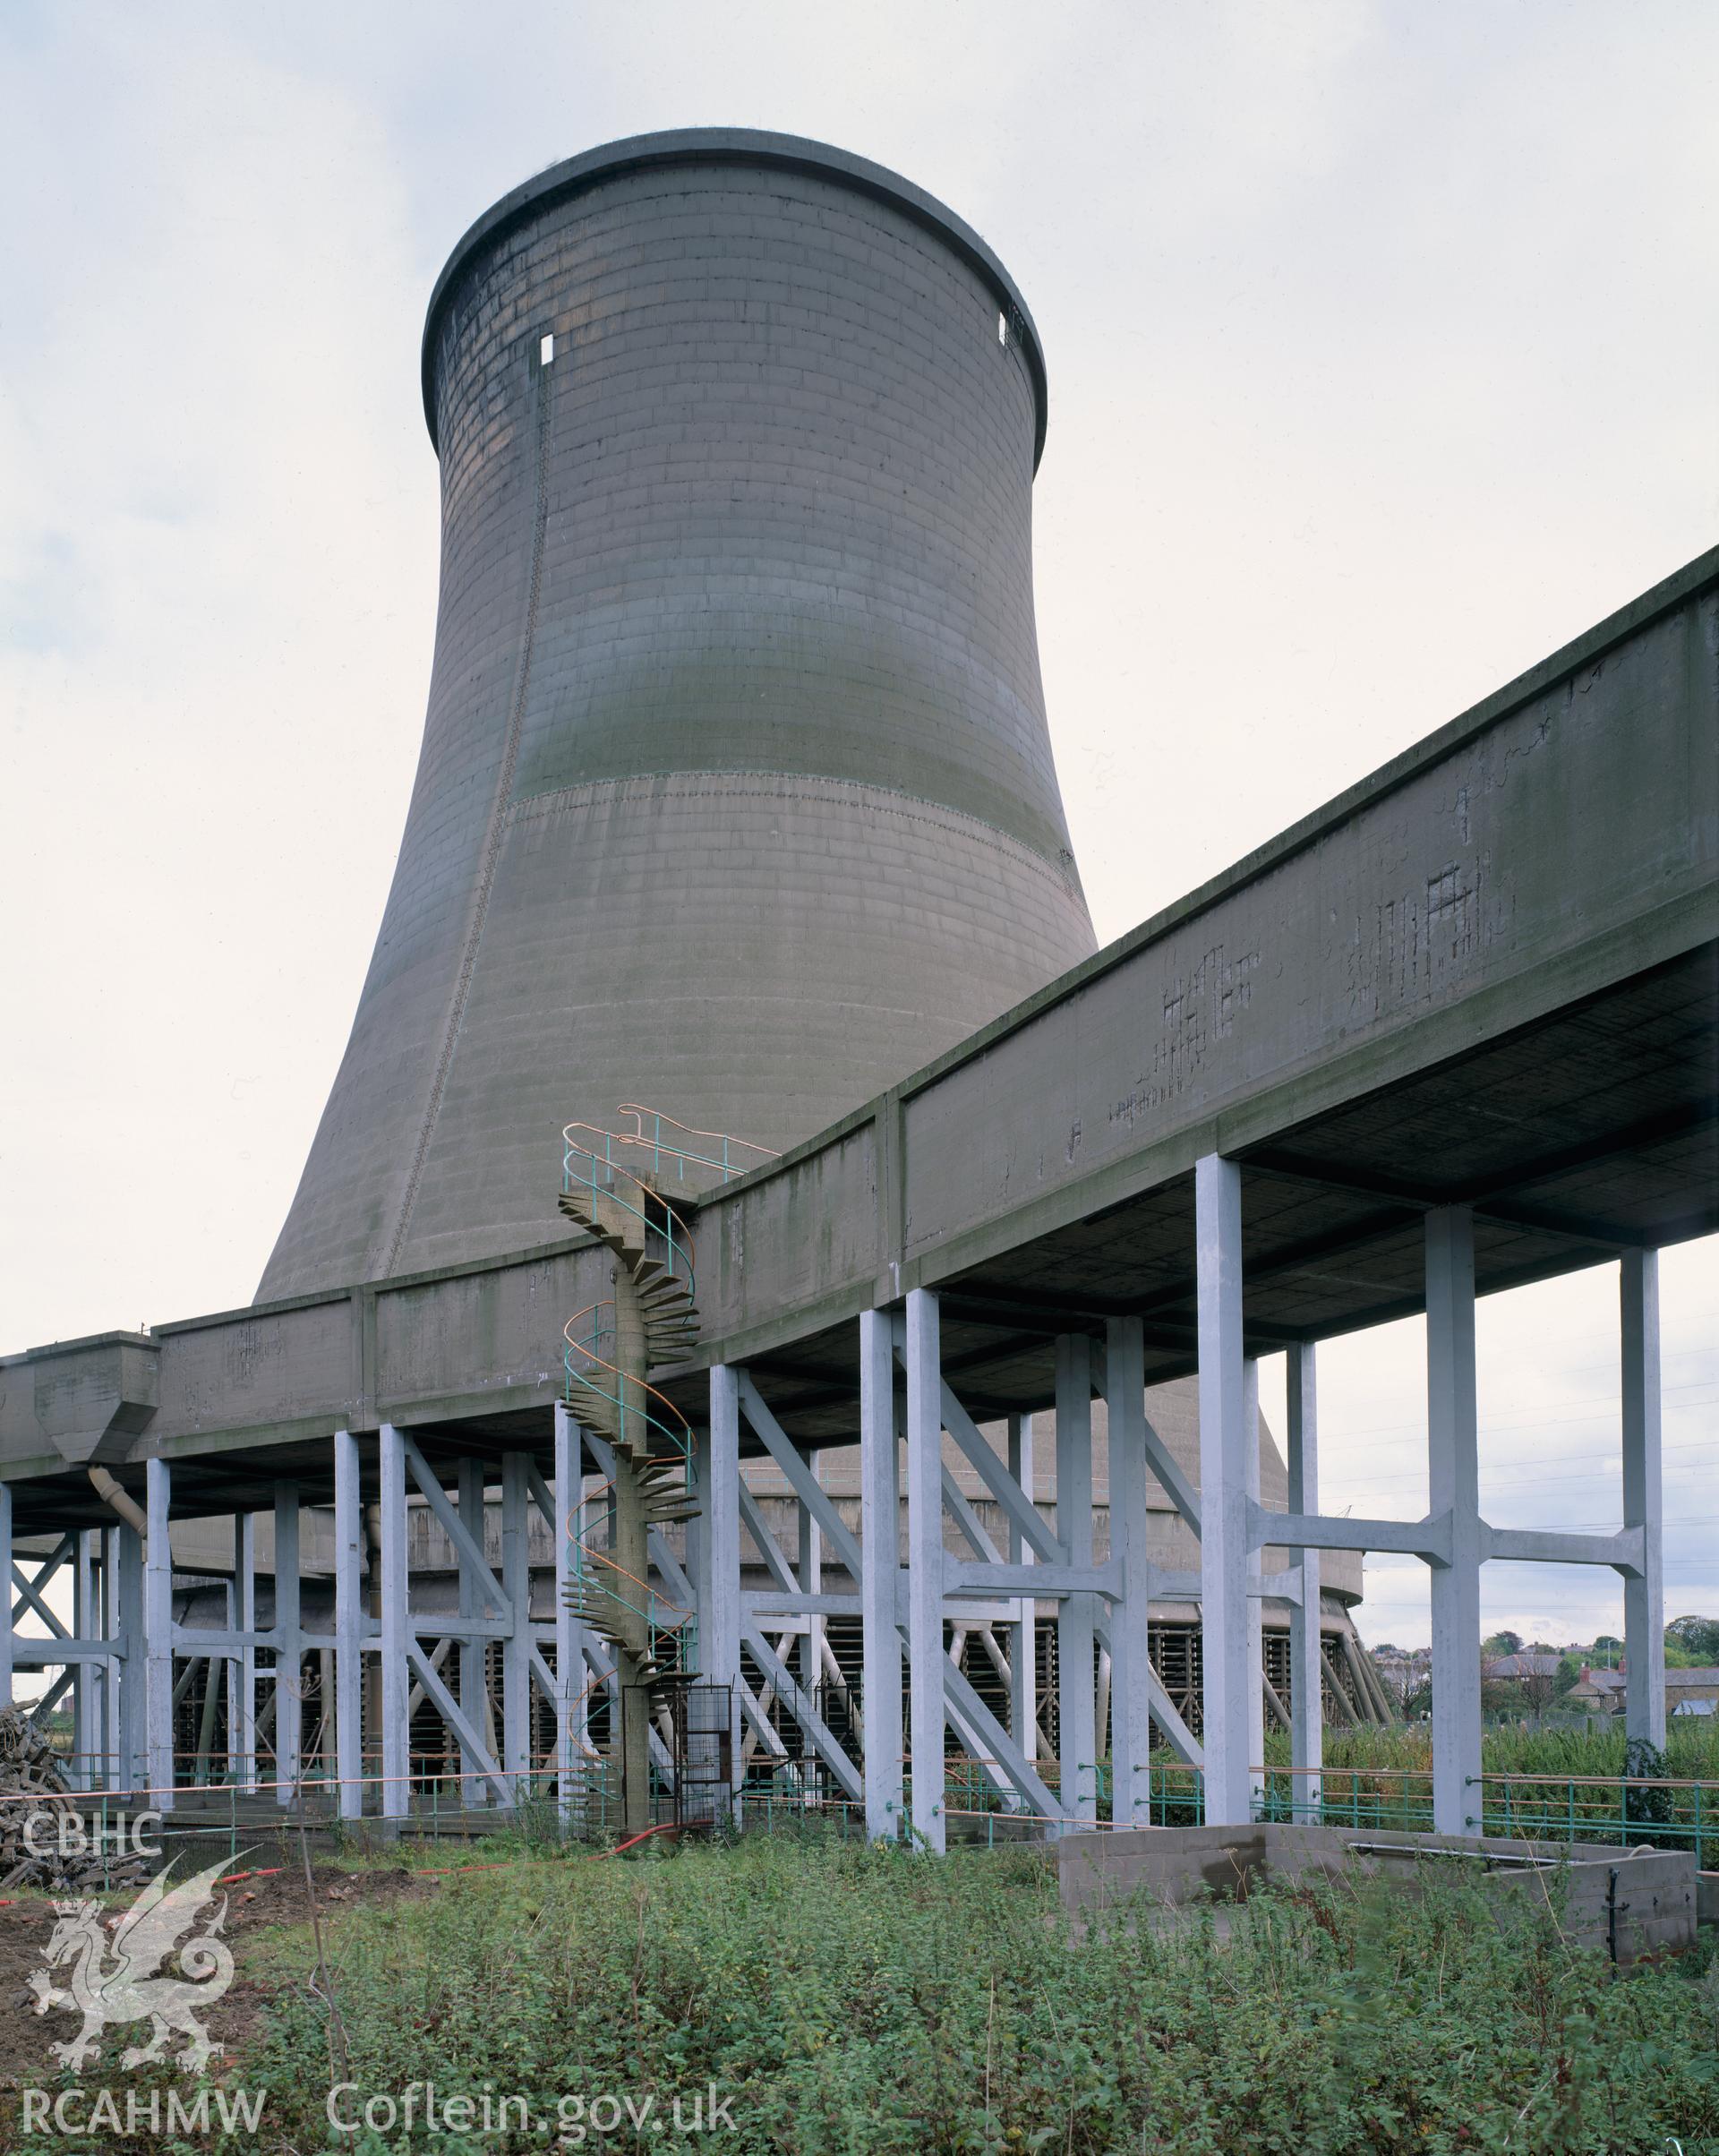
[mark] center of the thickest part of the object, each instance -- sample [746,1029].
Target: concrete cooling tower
[735,795]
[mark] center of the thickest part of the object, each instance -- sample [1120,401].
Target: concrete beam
[1623,1552]
[997,1581]
[1429,1538]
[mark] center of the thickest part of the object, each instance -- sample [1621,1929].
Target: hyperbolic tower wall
[736,794]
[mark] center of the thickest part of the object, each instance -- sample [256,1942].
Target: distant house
[1687,1691]
[1525,1666]
[1600,1691]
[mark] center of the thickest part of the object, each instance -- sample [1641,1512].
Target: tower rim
[589,168]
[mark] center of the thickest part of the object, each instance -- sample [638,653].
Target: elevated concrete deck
[1487,974]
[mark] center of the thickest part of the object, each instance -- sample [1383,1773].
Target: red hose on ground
[668,1827]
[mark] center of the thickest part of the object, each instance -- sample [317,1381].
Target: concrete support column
[1224,1443]
[880,1571]
[1453,1486]
[698,1550]
[1024,1633]
[720,1642]
[1644,1597]
[396,1673]
[242,1667]
[5,1595]
[86,1625]
[1306,1673]
[515,1649]
[1255,1603]
[1076,1699]
[289,1691]
[569,1633]
[133,1751]
[158,1631]
[809,1569]
[925,1654]
[112,1760]
[473,1654]
[348,1626]
[1131,1709]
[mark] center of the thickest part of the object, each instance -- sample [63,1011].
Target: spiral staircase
[654,1312]
[612,1346]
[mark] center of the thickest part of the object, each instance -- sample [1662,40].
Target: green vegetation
[1691,1750]
[1692,1643]
[849,2001]
[1380,1777]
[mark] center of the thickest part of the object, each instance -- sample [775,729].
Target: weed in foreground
[854,2000]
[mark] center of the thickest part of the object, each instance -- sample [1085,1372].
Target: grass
[1376,1776]
[849,2001]
[1691,1750]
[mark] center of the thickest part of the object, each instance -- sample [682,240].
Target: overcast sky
[1382,351]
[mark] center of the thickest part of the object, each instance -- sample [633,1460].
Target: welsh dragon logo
[117,1980]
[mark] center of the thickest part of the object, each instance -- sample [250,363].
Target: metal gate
[692,1758]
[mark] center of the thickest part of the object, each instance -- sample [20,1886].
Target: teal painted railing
[722,1154]
[1614,1809]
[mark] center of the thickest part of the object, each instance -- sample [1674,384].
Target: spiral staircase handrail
[656,1146]
[671,1231]
[681,1438]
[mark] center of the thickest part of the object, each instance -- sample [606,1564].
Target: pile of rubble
[34,1794]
